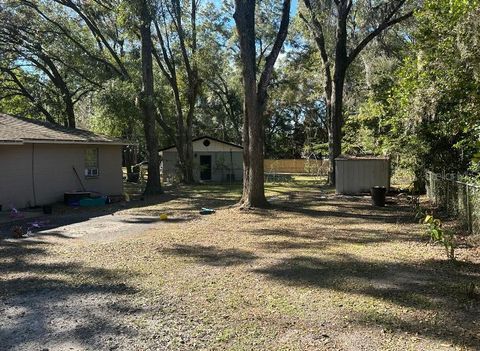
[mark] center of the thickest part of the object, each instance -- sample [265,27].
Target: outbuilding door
[205,167]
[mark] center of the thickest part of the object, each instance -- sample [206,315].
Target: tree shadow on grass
[321,236]
[347,215]
[171,218]
[57,304]
[345,211]
[436,286]
[211,255]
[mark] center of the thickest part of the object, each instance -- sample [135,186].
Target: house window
[91,163]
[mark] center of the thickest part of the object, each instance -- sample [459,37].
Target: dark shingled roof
[18,130]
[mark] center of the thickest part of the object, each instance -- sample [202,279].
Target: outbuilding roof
[205,137]
[19,130]
[364,157]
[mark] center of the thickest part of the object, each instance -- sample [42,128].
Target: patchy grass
[314,272]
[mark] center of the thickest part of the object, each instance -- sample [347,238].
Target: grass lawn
[314,272]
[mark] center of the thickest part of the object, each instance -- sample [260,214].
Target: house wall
[354,176]
[226,159]
[169,166]
[38,174]
[223,163]
[16,187]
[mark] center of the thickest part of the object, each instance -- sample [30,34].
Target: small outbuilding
[355,175]
[40,161]
[214,160]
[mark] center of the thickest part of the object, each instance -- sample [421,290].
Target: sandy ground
[314,272]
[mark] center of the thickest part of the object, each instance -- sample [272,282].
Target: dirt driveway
[314,272]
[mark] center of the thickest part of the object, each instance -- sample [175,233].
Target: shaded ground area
[314,272]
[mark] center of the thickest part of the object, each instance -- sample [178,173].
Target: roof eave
[204,137]
[11,142]
[66,142]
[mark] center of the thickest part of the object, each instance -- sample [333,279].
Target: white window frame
[91,171]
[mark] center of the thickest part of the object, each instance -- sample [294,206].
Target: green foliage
[429,115]
[439,235]
[414,93]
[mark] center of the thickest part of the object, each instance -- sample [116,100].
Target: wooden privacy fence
[307,166]
[456,198]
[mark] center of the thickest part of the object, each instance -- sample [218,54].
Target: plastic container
[378,195]
[72,198]
[93,202]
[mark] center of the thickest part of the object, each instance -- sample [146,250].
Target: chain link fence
[456,198]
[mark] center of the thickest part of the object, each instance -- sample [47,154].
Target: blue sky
[294,5]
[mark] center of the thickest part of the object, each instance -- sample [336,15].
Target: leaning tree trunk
[147,104]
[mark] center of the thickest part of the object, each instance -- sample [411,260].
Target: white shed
[355,175]
[214,160]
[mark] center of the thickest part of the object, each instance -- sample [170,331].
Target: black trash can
[378,195]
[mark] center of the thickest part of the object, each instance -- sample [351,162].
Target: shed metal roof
[19,130]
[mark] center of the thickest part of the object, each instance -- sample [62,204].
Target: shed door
[205,167]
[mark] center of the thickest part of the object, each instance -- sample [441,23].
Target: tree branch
[272,57]
[386,23]
[29,96]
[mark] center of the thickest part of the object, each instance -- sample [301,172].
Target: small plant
[439,235]
[420,212]
[470,290]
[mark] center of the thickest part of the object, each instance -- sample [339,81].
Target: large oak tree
[351,34]
[255,95]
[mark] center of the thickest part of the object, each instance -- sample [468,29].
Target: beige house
[40,161]
[214,161]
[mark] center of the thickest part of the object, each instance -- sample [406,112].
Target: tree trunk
[342,60]
[129,152]
[255,196]
[255,97]
[147,104]
[335,129]
[180,141]
[246,156]
[253,136]
[341,65]
[330,118]
[168,67]
[189,151]
[69,108]
[336,120]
